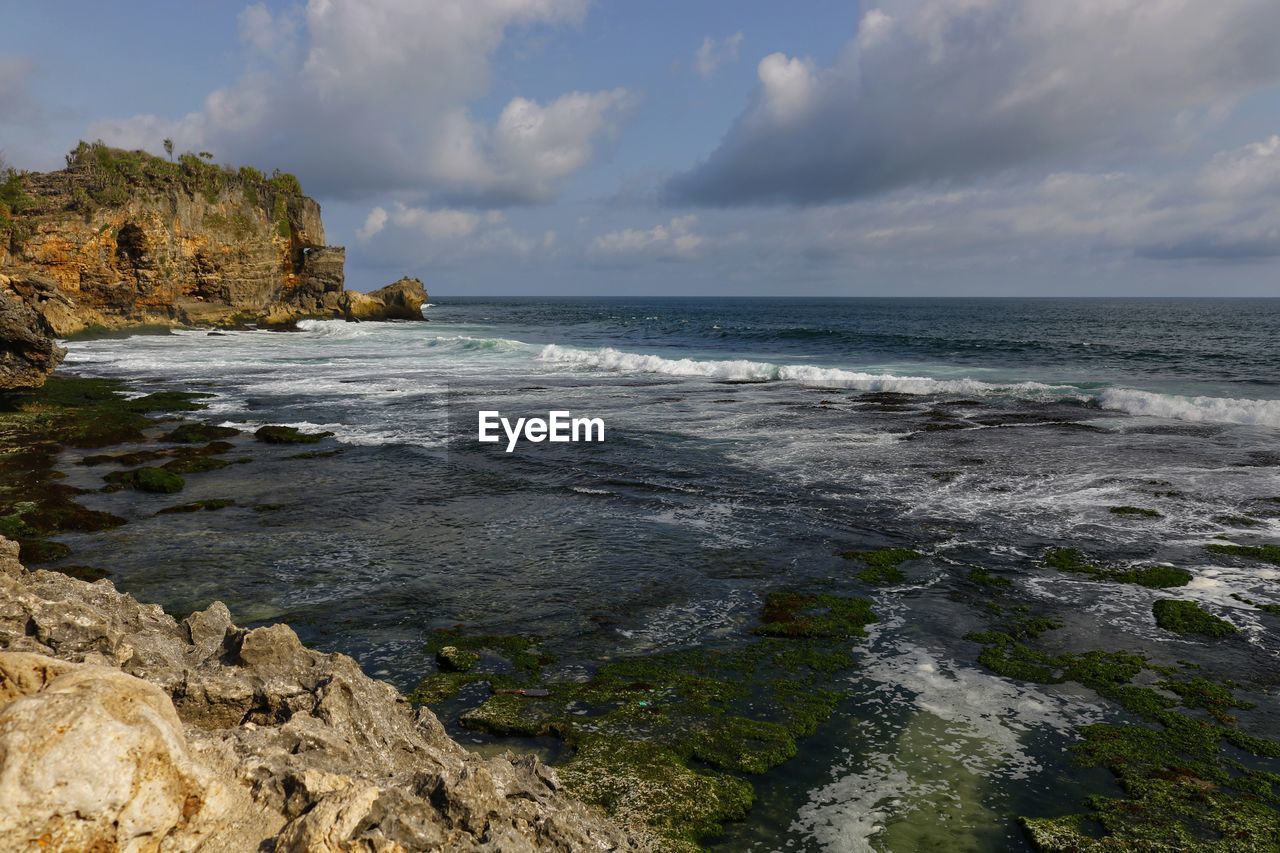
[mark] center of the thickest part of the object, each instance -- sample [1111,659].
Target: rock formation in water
[123,729]
[400,300]
[122,238]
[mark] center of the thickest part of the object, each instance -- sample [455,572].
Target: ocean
[748,442]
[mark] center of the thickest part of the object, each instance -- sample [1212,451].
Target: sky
[707,147]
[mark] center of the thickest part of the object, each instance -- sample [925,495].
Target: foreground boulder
[123,729]
[28,352]
[401,300]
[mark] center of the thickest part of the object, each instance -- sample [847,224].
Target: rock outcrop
[127,238]
[28,352]
[400,300]
[123,729]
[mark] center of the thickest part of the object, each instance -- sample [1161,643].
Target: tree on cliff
[13,196]
[168,148]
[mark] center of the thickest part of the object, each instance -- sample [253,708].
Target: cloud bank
[361,98]
[948,90]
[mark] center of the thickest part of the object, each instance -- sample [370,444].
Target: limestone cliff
[127,238]
[121,729]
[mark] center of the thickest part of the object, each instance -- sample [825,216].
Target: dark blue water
[1221,347]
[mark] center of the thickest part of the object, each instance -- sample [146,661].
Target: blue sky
[896,147]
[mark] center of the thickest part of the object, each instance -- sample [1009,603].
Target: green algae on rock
[1262,553]
[194,464]
[792,614]
[156,480]
[196,433]
[984,577]
[883,565]
[1154,577]
[1134,512]
[288,435]
[658,740]
[196,506]
[454,659]
[1182,788]
[1188,617]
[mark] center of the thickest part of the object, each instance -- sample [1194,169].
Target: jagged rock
[304,750]
[401,300]
[94,759]
[28,352]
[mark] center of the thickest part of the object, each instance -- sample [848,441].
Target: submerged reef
[1191,778]
[662,741]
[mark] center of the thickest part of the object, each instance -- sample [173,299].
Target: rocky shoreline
[121,728]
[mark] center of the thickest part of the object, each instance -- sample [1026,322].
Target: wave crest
[1131,401]
[742,370]
[1195,409]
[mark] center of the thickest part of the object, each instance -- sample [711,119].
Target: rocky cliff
[121,729]
[128,238]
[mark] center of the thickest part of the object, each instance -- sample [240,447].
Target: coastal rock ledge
[122,729]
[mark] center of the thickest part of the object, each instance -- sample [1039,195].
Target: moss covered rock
[156,480]
[1188,617]
[288,435]
[883,566]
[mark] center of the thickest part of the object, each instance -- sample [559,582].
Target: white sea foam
[1134,402]
[743,370]
[1194,409]
[335,328]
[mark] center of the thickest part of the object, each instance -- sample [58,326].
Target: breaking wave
[1134,402]
[1195,409]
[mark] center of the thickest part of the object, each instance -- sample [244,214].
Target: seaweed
[1075,561]
[288,435]
[883,566]
[660,740]
[1188,617]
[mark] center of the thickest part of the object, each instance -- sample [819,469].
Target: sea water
[748,441]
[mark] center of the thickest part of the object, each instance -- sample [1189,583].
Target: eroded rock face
[28,352]
[302,749]
[160,247]
[401,300]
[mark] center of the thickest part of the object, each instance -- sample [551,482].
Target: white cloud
[407,236]
[672,240]
[713,54]
[946,90]
[787,87]
[264,32]
[431,223]
[1222,211]
[362,98]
